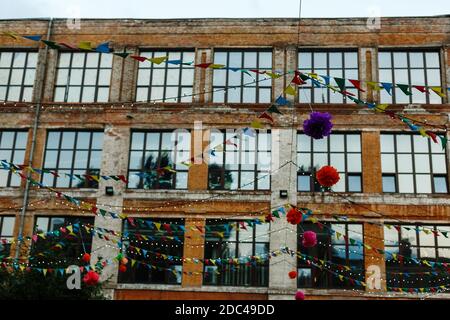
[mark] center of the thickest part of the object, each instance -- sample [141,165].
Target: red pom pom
[91,278]
[299,295]
[309,239]
[327,176]
[292,274]
[294,216]
[86,257]
[122,268]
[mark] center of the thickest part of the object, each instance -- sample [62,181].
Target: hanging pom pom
[309,239]
[122,268]
[292,274]
[318,125]
[124,261]
[294,216]
[91,278]
[299,295]
[327,176]
[86,257]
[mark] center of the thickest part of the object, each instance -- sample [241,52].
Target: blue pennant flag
[103,48]
[34,38]
[174,61]
[387,86]
[281,101]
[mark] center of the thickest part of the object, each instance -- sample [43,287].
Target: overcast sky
[151,9]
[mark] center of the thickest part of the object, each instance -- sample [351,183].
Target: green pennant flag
[340,82]
[303,77]
[122,54]
[51,44]
[275,213]
[443,141]
[404,88]
[273,109]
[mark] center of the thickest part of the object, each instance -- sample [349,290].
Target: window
[71,154]
[168,82]
[258,92]
[244,162]
[165,237]
[83,77]
[340,64]
[340,150]
[228,240]
[156,159]
[339,245]
[420,68]
[412,164]
[6,235]
[17,74]
[65,238]
[12,149]
[405,245]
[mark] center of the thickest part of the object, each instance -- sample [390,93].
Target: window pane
[423,183]
[440,184]
[406,183]
[389,184]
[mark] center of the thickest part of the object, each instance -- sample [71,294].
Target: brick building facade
[87,97]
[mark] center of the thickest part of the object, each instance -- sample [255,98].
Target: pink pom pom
[309,239]
[299,295]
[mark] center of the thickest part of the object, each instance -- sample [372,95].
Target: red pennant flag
[422,89]
[297,80]
[391,114]
[265,115]
[203,65]
[199,228]
[432,136]
[231,143]
[356,84]
[94,209]
[139,58]
[68,46]
[122,177]
[131,221]
[242,224]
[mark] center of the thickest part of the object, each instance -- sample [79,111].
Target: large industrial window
[236,254]
[12,149]
[61,240]
[412,164]
[421,68]
[83,77]
[257,92]
[339,251]
[72,154]
[17,74]
[159,160]
[407,246]
[6,235]
[340,150]
[340,64]
[166,82]
[240,162]
[156,246]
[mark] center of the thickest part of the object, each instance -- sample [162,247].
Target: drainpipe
[41,75]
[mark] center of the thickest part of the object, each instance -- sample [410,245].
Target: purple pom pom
[318,125]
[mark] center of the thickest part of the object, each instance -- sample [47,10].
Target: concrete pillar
[368,71]
[39,83]
[198,173]
[291,64]
[114,161]
[371,162]
[203,76]
[124,76]
[284,145]
[50,75]
[278,85]
[374,262]
[445,72]
[193,248]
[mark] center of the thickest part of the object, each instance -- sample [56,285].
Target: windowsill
[175,191]
[171,287]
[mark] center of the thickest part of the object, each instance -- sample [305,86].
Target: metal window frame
[13,151]
[240,87]
[74,150]
[25,68]
[236,242]
[396,174]
[410,83]
[327,51]
[159,151]
[83,69]
[180,69]
[239,169]
[328,152]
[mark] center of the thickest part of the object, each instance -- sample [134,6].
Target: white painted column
[114,162]
[283,234]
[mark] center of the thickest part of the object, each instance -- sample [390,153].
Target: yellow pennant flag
[438,91]
[133,262]
[341,277]
[216,66]
[22,267]
[423,133]
[187,164]
[44,271]
[70,228]
[157,60]
[219,148]
[290,90]
[313,75]
[273,75]
[157,225]
[123,216]
[381,107]
[256,124]
[11,34]
[85,45]
[374,85]
[169,168]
